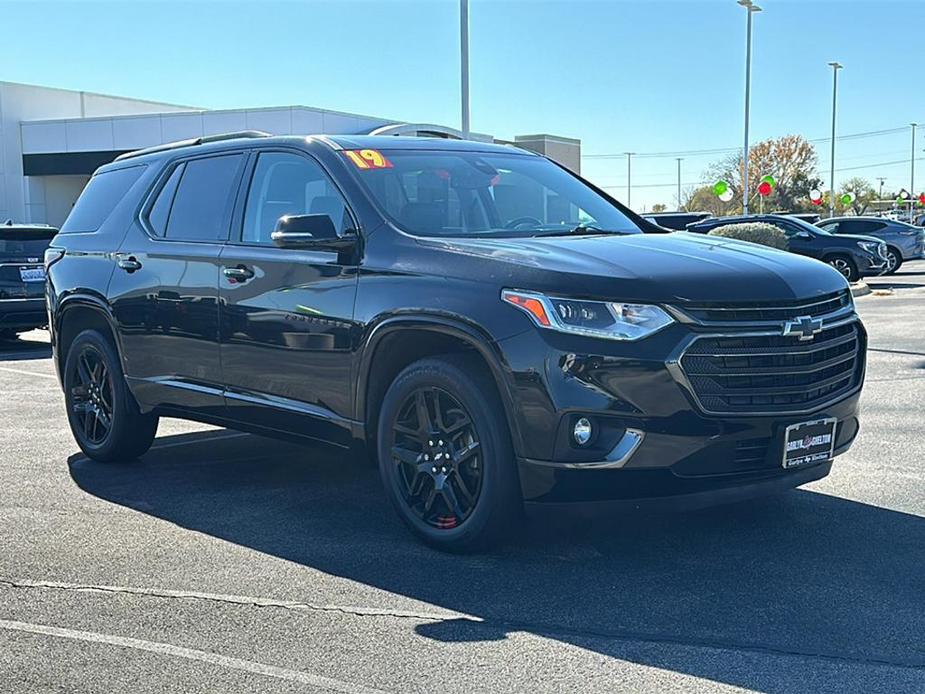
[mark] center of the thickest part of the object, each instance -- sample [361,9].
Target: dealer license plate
[32,274]
[809,442]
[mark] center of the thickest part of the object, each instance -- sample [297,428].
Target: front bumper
[870,264]
[655,444]
[22,314]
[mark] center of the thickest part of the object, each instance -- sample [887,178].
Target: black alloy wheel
[104,417]
[445,454]
[92,395]
[438,456]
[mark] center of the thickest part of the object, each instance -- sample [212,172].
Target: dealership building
[51,140]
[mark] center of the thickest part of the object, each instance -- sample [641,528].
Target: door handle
[238,274]
[129,263]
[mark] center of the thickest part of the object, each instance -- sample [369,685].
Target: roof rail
[241,134]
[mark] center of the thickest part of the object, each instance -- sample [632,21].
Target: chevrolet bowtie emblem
[804,327]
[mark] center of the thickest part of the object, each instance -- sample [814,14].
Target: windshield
[806,226]
[446,193]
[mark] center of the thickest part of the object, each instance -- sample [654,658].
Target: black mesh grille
[734,313]
[772,373]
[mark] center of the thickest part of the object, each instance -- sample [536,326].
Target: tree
[659,207]
[864,195]
[703,200]
[790,159]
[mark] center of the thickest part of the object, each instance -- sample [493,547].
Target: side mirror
[310,231]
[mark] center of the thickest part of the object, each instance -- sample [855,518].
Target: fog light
[582,431]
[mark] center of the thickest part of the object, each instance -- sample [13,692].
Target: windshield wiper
[580,230]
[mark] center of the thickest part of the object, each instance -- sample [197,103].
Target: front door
[287,315]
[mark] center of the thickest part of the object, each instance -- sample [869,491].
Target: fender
[81,300]
[453,326]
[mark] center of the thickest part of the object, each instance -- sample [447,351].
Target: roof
[386,142]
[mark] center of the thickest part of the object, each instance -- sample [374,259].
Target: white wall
[49,199]
[21,102]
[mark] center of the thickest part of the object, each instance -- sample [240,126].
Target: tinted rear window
[201,205]
[99,199]
[25,242]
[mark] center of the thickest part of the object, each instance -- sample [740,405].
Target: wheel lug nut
[430,443]
[440,443]
[426,457]
[433,469]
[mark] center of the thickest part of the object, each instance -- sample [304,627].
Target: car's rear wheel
[102,413]
[894,260]
[445,454]
[845,266]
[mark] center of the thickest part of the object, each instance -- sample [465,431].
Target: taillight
[52,256]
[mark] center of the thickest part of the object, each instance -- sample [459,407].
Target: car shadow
[800,573]
[18,349]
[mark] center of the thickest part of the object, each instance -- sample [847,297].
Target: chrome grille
[762,311]
[764,373]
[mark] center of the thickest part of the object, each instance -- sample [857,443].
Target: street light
[836,66]
[680,159]
[464,64]
[912,174]
[629,178]
[751,8]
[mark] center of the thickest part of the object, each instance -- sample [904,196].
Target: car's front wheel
[845,266]
[102,413]
[445,454]
[893,261]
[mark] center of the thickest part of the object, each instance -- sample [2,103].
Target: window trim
[144,210]
[235,237]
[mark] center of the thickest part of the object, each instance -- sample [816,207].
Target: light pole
[679,183]
[629,179]
[836,66]
[912,174]
[464,64]
[751,9]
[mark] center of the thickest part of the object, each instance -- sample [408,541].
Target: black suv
[853,256]
[492,327]
[22,277]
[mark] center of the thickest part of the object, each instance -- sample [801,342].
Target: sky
[645,76]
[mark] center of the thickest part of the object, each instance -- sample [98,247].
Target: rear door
[164,291]
[287,314]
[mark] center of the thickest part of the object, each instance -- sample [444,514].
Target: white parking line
[191,654]
[23,372]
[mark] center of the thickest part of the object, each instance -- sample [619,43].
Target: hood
[666,268]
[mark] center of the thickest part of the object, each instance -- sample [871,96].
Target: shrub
[754,232]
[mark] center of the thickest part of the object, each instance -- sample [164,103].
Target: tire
[845,265]
[894,260]
[425,468]
[102,413]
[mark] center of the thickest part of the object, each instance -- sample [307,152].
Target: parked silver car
[904,241]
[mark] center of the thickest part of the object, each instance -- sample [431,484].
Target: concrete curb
[860,289]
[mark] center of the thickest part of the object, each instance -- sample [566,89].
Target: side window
[202,199]
[832,228]
[289,184]
[99,199]
[160,210]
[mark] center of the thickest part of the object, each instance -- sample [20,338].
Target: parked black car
[22,277]
[903,241]
[491,326]
[676,220]
[853,256]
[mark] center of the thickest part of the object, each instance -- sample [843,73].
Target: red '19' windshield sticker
[368,159]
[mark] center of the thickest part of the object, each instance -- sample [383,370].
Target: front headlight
[607,319]
[869,246]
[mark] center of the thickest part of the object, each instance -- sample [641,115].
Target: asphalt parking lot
[229,562]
